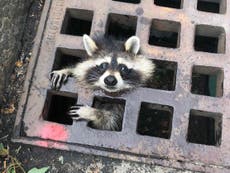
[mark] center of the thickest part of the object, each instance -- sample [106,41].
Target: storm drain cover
[182,120]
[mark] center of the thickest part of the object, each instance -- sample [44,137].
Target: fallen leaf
[19,63]
[8,110]
[3,151]
[41,170]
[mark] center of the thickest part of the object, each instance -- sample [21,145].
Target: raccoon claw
[74,116]
[81,112]
[73,111]
[54,80]
[78,106]
[57,79]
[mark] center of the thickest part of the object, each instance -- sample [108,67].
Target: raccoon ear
[89,45]
[132,45]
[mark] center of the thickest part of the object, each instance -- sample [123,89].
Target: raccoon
[112,67]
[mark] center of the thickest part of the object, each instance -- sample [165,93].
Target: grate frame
[176,152]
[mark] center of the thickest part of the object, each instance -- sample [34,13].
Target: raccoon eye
[123,69]
[103,66]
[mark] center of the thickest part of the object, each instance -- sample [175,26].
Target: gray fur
[109,116]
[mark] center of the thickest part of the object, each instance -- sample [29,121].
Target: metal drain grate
[188,114]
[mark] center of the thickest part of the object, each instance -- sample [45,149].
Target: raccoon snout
[110,80]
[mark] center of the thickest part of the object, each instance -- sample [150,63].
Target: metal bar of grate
[188,38]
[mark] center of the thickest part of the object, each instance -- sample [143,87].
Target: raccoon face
[115,70]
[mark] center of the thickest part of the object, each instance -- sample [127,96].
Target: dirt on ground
[23,157]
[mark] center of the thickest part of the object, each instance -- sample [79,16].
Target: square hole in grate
[121,27]
[115,106]
[77,22]
[129,1]
[169,3]
[207,81]
[204,128]
[67,57]
[214,6]
[210,39]
[155,120]
[57,105]
[165,33]
[164,76]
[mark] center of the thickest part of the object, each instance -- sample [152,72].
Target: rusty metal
[179,150]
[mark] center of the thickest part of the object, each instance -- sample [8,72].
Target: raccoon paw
[57,78]
[81,112]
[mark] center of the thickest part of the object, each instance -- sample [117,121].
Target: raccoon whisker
[92,80]
[93,76]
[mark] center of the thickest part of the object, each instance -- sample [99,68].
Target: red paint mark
[42,143]
[54,132]
[49,144]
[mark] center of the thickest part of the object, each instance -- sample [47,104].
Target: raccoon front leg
[58,77]
[100,119]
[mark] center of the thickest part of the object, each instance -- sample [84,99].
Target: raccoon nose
[110,80]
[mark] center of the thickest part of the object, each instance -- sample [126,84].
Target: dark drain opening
[165,33]
[207,81]
[77,22]
[116,106]
[169,3]
[210,39]
[214,6]
[57,105]
[129,1]
[66,58]
[204,128]
[206,44]
[121,27]
[155,120]
[164,76]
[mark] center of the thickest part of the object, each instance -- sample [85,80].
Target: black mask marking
[114,62]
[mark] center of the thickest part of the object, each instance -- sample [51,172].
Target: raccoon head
[114,69]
